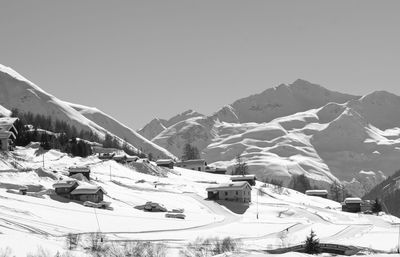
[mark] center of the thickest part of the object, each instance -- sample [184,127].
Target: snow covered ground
[285,217]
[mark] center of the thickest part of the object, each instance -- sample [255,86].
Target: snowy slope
[120,130]
[282,101]
[4,112]
[18,92]
[285,217]
[356,141]
[156,126]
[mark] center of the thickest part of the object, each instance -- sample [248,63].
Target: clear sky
[137,60]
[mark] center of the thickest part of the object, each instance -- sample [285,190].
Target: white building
[235,191]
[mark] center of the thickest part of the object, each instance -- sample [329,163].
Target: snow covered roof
[87,189]
[192,162]
[6,124]
[229,186]
[6,134]
[316,192]
[164,161]
[65,183]
[352,200]
[244,177]
[79,169]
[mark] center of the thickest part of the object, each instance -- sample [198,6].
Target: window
[237,192]
[226,193]
[199,168]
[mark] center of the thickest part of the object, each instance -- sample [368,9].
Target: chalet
[251,179]
[168,163]
[84,170]
[88,193]
[352,204]
[234,191]
[215,170]
[121,158]
[199,164]
[8,133]
[320,193]
[65,187]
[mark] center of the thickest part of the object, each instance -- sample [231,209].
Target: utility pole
[257,201]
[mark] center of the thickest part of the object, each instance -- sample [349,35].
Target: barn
[88,193]
[251,179]
[317,192]
[352,204]
[168,163]
[65,187]
[198,164]
[234,191]
[84,170]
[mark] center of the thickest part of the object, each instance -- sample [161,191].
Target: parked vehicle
[102,204]
[175,215]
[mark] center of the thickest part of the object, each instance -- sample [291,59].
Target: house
[168,163]
[352,204]
[65,187]
[88,192]
[251,179]
[199,164]
[84,170]
[215,170]
[8,133]
[130,158]
[234,191]
[320,193]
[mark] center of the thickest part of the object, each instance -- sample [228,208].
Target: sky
[137,60]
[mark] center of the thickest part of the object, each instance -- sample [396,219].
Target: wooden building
[352,204]
[8,133]
[251,179]
[198,164]
[88,193]
[64,188]
[317,192]
[84,170]
[168,163]
[235,191]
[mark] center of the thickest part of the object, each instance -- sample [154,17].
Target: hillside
[18,92]
[284,217]
[388,193]
[117,128]
[300,128]
[156,126]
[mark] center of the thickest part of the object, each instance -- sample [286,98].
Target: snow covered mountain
[281,101]
[156,126]
[117,128]
[300,128]
[18,92]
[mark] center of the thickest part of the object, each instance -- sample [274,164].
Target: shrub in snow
[96,243]
[6,252]
[137,249]
[40,252]
[210,247]
[72,240]
[312,244]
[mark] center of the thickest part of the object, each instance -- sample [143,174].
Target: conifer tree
[312,244]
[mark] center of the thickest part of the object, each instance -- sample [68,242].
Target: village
[79,187]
